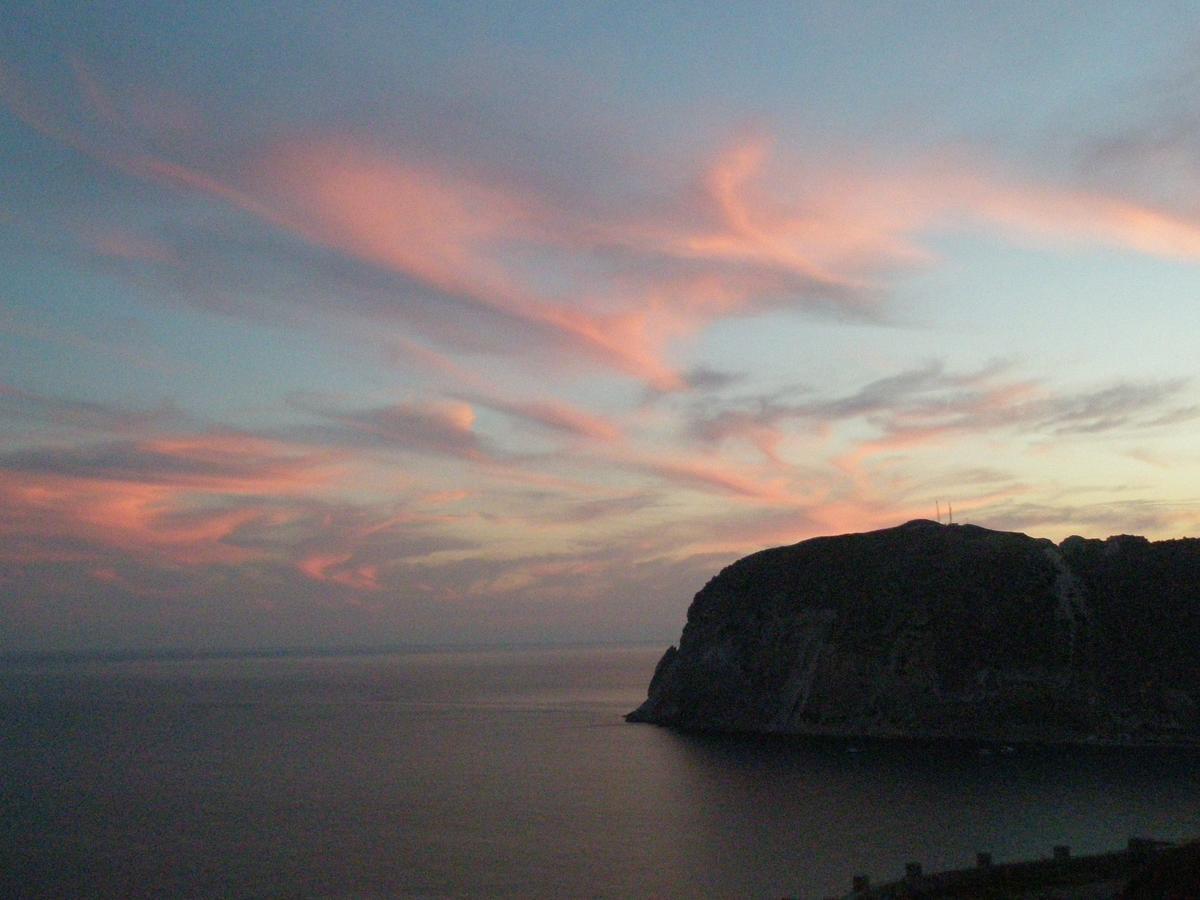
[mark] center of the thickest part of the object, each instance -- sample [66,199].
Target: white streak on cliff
[816,625]
[1072,605]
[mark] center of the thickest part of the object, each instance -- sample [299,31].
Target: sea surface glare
[492,773]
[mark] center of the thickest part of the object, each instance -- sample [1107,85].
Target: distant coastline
[24,657]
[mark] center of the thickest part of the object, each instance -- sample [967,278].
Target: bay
[504,772]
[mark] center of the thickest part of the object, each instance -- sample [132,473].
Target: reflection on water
[501,772]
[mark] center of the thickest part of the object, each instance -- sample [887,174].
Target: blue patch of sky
[115,341]
[1083,311]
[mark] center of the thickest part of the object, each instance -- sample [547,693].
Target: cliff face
[944,631]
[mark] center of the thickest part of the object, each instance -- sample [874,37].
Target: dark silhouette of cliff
[932,630]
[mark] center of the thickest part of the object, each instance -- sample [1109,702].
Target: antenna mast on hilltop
[939,510]
[950,515]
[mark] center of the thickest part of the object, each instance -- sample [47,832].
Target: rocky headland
[944,631]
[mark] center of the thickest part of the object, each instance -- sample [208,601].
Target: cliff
[929,630]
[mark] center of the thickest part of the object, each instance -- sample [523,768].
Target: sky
[354,324]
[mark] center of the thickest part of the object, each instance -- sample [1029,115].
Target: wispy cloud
[1096,518]
[86,418]
[553,415]
[122,244]
[756,230]
[437,428]
[177,498]
[712,475]
[527,424]
[929,401]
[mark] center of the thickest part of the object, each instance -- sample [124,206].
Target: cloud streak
[928,401]
[179,499]
[440,428]
[555,416]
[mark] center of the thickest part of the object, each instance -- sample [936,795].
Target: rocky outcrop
[930,630]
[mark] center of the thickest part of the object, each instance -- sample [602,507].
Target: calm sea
[491,773]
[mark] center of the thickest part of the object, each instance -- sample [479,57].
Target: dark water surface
[490,773]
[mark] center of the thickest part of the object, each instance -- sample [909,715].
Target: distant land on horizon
[187,653]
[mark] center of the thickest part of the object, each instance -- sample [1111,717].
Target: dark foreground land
[1145,870]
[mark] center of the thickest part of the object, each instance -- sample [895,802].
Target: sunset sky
[359,324]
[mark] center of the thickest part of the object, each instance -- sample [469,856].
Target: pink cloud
[430,223]
[96,95]
[125,516]
[174,499]
[154,169]
[557,416]
[1081,216]
[442,498]
[707,475]
[452,231]
[617,287]
[410,353]
[337,569]
[906,439]
[818,231]
[813,241]
[121,244]
[441,428]
[463,234]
